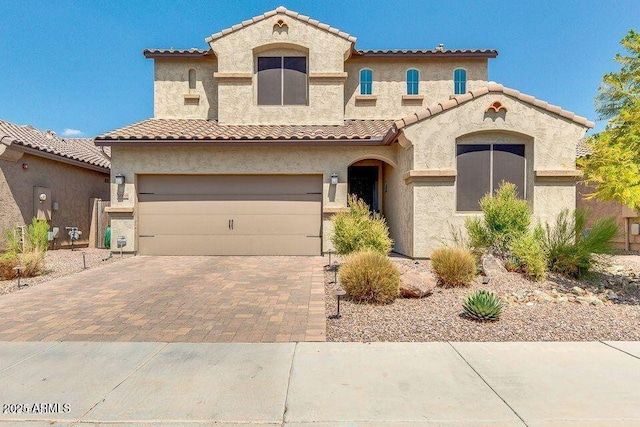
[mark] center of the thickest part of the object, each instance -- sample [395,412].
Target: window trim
[282,58]
[525,194]
[455,82]
[360,81]
[417,82]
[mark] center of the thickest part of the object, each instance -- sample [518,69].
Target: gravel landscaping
[557,309]
[61,262]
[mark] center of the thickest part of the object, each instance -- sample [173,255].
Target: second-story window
[282,80]
[366,82]
[192,79]
[459,81]
[413,80]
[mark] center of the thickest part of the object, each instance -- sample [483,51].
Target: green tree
[613,166]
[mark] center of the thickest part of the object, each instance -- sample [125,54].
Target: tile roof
[193,52]
[210,130]
[285,11]
[481,53]
[583,150]
[490,88]
[78,149]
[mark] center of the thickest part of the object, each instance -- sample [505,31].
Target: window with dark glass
[192,79]
[481,168]
[282,80]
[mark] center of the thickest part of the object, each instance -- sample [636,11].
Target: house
[48,177]
[628,221]
[256,142]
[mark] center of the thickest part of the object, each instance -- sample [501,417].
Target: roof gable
[283,11]
[457,100]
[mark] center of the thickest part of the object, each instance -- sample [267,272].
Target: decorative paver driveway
[174,299]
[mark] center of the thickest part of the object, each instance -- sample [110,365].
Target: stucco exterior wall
[398,202]
[389,84]
[133,161]
[171,84]
[550,143]
[236,54]
[71,187]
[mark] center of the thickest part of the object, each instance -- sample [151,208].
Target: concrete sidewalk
[320,384]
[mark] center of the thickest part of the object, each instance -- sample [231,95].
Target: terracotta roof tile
[193,52]
[491,88]
[210,130]
[80,149]
[583,150]
[484,53]
[285,11]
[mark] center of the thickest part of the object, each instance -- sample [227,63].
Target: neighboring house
[256,142]
[629,237]
[45,176]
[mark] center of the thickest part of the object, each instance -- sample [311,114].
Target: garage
[229,214]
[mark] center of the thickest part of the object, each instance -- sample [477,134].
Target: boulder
[416,285]
[578,291]
[492,266]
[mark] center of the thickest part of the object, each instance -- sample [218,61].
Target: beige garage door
[229,214]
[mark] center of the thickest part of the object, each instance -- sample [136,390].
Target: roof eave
[242,142]
[59,158]
[152,54]
[463,55]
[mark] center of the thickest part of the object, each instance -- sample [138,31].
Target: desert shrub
[370,276]
[505,218]
[569,245]
[528,256]
[33,263]
[483,306]
[8,261]
[453,266]
[37,239]
[12,240]
[358,229]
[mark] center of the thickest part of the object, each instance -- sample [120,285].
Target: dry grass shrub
[371,277]
[453,266]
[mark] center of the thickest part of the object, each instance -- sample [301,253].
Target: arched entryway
[365,179]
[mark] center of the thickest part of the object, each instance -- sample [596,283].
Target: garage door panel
[242,224]
[229,184]
[203,207]
[230,245]
[191,214]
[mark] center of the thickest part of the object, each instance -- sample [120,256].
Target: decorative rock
[578,291]
[492,266]
[415,285]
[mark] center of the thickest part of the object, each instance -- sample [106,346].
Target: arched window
[413,79]
[459,81]
[366,81]
[192,79]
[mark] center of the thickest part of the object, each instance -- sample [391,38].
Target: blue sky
[78,65]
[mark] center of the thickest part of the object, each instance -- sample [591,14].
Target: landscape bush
[8,261]
[358,229]
[37,238]
[453,266]
[569,245]
[528,256]
[505,218]
[370,276]
[483,306]
[33,263]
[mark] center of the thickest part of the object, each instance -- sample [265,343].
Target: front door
[363,182]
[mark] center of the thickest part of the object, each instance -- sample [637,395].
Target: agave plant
[483,306]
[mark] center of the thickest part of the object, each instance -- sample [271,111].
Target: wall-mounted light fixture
[120,179]
[42,197]
[334,178]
